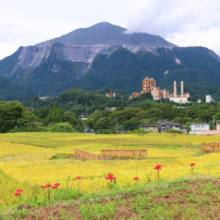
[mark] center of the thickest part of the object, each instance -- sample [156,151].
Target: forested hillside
[14,91]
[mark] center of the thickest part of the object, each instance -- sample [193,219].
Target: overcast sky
[182,22]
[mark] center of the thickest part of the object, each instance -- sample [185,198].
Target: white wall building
[209,99]
[200,127]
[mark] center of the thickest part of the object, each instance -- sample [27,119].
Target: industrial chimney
[174,92]
[182,89]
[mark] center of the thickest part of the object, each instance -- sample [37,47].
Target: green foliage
[171,130]
[14,117]
[61,127]
[140,131]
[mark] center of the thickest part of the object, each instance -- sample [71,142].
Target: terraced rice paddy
[30,160]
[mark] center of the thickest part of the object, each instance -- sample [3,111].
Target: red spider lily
[17,194]
[110,177]
[19,190]
[43,187]
[149,180]
[46,186]
[78,177]
[56,184]
[192,167]
[136,178]
[158,167]
[54,187]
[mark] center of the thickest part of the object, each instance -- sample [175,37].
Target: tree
[14,115]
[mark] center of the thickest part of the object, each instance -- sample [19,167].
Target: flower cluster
[110,177]
[49,185]
[18,192]
[136,178]
[158,167]
[192,164]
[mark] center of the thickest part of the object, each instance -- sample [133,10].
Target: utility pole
[116,126]
[213,122]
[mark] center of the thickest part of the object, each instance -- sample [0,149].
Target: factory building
[183,98]
[149,85]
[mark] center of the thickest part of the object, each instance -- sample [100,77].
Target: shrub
[139,131]
[60,127]
[171,130]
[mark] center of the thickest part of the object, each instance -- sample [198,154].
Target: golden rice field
[26,160]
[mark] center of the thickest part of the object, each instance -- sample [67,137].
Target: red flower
[149,180]
[192,164]
[114,178]
[78,177]
[54,187]
[110,175]
[17,194]
[56,184]
[43,187]
[158,167]
[19,190]
[107,178]
[136,178]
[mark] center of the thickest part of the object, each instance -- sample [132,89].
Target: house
[166,125]
[154,128]
[218,125]
[200,127]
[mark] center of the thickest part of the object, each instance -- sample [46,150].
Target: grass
[183,198]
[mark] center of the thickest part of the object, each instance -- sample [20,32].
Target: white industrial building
[183,98]
[209,99]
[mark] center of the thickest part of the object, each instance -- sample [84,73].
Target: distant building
[111,95]
[135,94]
[199,101]
[46,97]
[154,128]
[209,99]
[166,125]
[200,127]
[110,108]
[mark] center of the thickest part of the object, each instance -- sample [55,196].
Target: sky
[181,22]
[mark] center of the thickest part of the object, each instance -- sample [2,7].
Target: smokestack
[174,93]
[182,89]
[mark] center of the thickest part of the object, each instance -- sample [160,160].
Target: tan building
[148,84]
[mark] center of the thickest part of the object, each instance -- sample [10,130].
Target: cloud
[185,23]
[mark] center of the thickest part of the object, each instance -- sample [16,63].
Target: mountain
[105,56]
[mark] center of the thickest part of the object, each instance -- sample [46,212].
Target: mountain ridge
[70,61]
